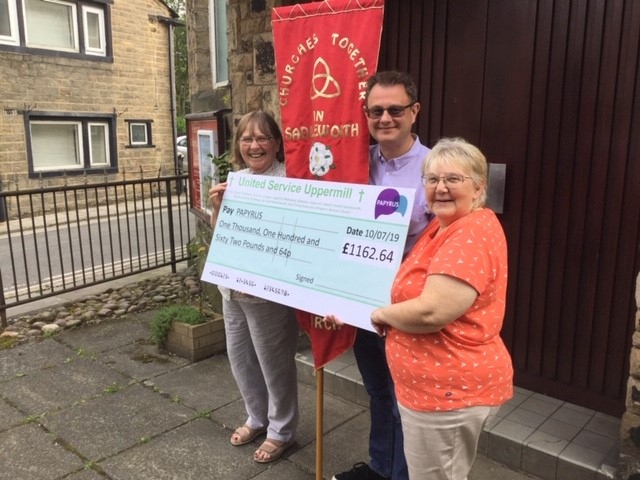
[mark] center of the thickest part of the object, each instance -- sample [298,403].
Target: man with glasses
[391,107]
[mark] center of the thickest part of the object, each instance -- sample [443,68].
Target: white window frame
[14,37]
[145,142]
[218,38]
[39,35]
[102,51]
[79,146]
[82,138]
[107,154]
[74,18]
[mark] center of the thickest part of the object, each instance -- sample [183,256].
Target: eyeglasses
[394,110]
[450,180]
[262,141]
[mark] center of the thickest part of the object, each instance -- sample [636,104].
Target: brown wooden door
[549,88]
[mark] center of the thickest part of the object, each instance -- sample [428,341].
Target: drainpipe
[171,23]
[3,206]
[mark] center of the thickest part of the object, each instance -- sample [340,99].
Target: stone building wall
[136,85]
[629,468]
[251,57]
[251,60]
[204,97]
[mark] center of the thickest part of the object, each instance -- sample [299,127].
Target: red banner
[323,62]
[322,65]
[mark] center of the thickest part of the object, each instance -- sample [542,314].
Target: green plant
[32,419]
[163,320]
[202,415]
[223,165]
[113,388]
[199,244]
[209,295]
[81,352]
[7,342]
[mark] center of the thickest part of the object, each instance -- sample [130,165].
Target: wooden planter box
[195,342]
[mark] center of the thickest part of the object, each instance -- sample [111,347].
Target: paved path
[101,402]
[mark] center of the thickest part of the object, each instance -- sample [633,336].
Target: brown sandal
[244,435]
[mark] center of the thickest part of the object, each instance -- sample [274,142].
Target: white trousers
[262,340]
[442,445]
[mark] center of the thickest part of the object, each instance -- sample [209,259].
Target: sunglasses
[394,111]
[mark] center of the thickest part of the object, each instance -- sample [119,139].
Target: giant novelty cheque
[323,247]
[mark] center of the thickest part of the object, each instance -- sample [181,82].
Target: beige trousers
[442,445]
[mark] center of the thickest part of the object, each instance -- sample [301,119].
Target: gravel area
[180,287]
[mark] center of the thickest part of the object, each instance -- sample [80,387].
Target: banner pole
[319,420]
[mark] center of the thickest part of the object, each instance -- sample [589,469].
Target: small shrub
[223,165]
[164,318]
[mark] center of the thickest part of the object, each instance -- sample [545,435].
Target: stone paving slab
[336,412]
[110,333]
[76,380]
[9,416]
[23,450]
[341,444]
[141,360]
[112,423]
[86,474]
[32,357]
[214,387]
[196,450]
[285,470]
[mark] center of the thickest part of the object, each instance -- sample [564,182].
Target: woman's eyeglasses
[450,180]
[394,110]
[262,141]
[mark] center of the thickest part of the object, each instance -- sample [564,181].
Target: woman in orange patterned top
[450,367]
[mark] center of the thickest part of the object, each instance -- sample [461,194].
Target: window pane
[93,30]
[220,18]
[5,26]
[8,22]
[99,144]
[56,146]
[50,24]
[138,134]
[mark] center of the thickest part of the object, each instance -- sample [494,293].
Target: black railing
[59,239]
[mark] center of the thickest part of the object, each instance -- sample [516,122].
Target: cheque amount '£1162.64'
[367,252]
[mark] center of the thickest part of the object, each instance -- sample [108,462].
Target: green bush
[164,318]
[223,165]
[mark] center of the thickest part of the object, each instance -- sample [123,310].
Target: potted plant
[188,332]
